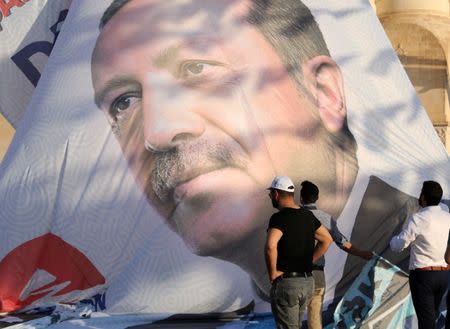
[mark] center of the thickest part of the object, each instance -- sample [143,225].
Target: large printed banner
[28,31]
[378,298]
[137,177]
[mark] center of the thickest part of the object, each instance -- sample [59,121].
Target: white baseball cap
[282,183]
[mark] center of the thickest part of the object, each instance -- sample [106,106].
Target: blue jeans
[289,298]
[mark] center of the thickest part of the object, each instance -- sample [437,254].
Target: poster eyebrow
[114,83]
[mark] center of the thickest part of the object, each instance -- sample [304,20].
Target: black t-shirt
[296,246]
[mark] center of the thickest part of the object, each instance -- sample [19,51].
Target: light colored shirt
[427,233]
[330,223]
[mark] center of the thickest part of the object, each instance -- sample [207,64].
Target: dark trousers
[427,290]
[447,317]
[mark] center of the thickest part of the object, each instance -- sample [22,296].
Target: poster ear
[324,81]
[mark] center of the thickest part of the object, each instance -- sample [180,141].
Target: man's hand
[351,249]
[365,254]
[275,276]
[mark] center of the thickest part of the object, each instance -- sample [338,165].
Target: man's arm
[271,252]
[447,254]
[447,251]
[324,240]
[406,236]
[343,243]
[351,249]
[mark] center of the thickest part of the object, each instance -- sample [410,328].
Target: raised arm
[343,243]
[447,251]
[351,249]
[405,237]
[447,254]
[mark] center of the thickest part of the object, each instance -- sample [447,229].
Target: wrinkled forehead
[144,21]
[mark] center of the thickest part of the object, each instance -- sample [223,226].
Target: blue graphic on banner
[23,57]
[97,301]
[379,297]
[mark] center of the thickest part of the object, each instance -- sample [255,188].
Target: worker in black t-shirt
[290,253]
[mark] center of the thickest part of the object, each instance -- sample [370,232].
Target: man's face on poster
[205,113]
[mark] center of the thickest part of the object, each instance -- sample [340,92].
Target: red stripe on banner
[5,7]
[44,266]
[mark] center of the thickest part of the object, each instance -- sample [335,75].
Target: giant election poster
[139,172]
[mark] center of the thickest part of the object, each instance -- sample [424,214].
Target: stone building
[419,31]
